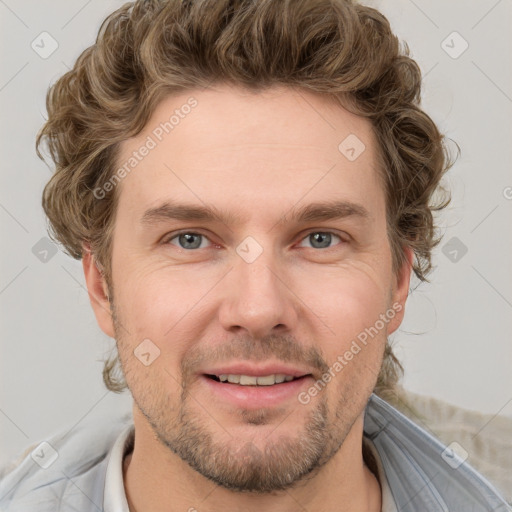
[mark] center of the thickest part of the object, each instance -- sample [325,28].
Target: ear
[98,292]
[401,290]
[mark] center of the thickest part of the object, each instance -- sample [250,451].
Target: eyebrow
[314,212]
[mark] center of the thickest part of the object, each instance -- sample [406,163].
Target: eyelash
[172,236]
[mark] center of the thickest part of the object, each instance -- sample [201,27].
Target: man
[249,185]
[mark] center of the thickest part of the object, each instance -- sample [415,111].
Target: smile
[253,380]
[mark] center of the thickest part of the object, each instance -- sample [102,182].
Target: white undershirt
[114,496]
[388,503]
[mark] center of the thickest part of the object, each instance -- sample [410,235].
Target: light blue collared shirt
[81,471]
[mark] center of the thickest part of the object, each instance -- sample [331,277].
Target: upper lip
[254,370]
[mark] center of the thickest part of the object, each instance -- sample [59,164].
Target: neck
[158,480]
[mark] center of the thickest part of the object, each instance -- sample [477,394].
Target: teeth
[246,380]
[249,380]
[268,380]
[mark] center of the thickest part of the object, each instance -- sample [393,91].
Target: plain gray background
[455,341]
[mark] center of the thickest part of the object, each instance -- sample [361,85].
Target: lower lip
[256,397]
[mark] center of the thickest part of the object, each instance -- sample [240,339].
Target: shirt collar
[114,496]
[410,466]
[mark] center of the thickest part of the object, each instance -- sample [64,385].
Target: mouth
[251,392]
[255,380]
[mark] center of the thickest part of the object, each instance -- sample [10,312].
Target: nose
[258,297]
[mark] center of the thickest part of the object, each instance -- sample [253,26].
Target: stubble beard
[240,465]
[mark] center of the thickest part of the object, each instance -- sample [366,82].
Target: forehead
[270,148]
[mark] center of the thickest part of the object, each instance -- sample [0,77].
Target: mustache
[284,348]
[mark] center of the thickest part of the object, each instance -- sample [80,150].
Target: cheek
[347,299]
[161,305]
[352,308]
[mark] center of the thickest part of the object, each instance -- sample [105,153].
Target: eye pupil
[186,240]
[323,238]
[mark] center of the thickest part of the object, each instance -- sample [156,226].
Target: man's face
[259,293]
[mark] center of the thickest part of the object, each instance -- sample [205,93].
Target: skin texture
[299,302]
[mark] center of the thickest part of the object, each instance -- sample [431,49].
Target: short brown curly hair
[149,49]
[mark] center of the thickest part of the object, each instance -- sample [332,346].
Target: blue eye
[321,239]
[190,240]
